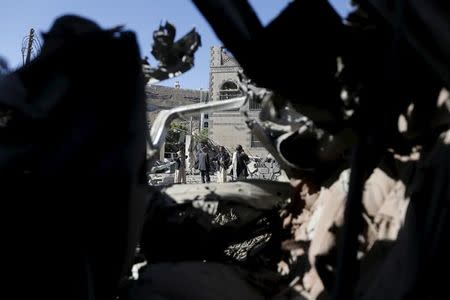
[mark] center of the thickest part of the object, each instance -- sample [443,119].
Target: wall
[228,128]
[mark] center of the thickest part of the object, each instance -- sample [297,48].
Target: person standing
[180,168]
[240,161]
[223,160]
[202,163]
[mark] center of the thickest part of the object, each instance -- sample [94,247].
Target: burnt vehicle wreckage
[360,125]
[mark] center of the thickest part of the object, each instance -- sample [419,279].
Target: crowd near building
[225,128]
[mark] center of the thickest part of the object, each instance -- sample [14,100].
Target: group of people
[238,163]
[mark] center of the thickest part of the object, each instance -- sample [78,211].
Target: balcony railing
[254,105]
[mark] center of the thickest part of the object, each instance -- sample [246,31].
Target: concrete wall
[222,69]
[228,128]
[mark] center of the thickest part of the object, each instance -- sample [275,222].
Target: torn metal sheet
[314,87]
[293,139]
[165,117]
[195,280]
[54,113]
[3,66]
[425,27]
[234,222]
[174,58]
[234,21]
[259,194]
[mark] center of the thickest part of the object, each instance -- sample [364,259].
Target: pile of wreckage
[356,113]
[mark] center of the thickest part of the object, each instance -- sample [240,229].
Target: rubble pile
[314,230]
[358,129]
[370,219]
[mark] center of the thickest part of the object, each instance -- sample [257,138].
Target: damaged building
[364,213]
[228,127]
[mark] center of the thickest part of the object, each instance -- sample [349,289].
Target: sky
[140,16]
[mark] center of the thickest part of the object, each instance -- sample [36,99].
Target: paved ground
[164,179]
[198,179]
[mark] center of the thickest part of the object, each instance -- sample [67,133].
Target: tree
[175,137]
[202,136]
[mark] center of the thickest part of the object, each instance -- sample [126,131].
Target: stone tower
[228,128]
[223,69]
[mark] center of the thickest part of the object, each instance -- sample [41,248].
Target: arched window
[229,85]
[229,90]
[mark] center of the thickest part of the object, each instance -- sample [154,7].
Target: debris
[364,217]
[165,117]
[3,66]
[353,91]
[236,222]
[175,57]
[59,145]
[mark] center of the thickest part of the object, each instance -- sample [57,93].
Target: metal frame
[160,127]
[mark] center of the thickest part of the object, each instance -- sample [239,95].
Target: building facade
[228,128]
